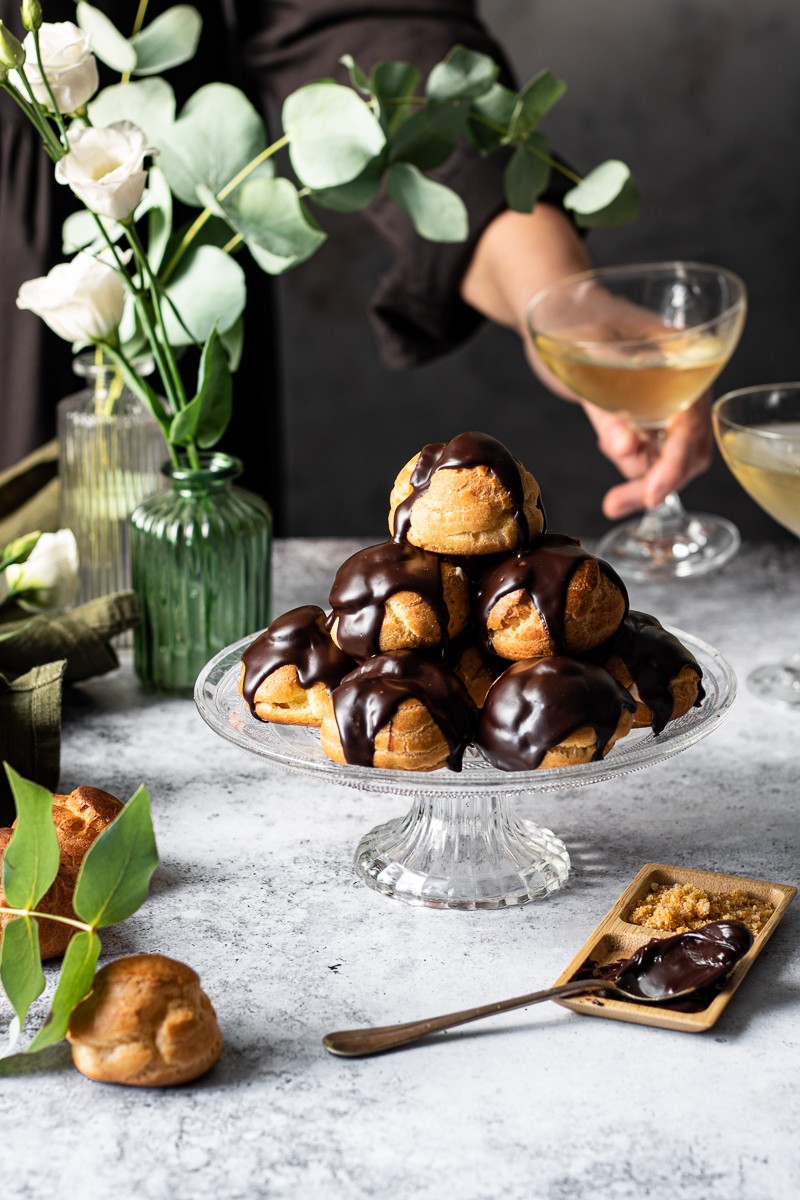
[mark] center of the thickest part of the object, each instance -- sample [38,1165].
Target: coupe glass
[758,431]
[646,342]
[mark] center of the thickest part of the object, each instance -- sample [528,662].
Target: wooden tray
[616,938]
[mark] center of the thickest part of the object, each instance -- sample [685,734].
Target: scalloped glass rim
[296,748]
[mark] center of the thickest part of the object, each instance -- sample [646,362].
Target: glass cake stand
[461,844]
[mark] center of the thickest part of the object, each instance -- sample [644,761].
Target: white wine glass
[758,432]
[646,342]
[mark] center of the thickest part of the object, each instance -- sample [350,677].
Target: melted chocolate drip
[368,578]
[367,699]
[700,959]
[466,450]
[298,638]
[537,703]
[544,572]
[654,657]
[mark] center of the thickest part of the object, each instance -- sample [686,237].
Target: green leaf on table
[332,134]
[534,101]
[358,193]
[269,214]
[168,41]
[20,970]
[216,135]
[428,137]
[437,212]
[116,871]
[527,174]
[149,103]
[32,856]
[208,290]
[607,197]
[358,78]
[74,982]
[463,75]
[490,117]
[208,414]
[393,84]
[108,44]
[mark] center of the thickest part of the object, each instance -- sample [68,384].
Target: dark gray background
[702,99]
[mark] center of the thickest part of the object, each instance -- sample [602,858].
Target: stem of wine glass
[659,522]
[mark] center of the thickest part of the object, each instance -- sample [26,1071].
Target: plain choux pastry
[555,598]
[394,596]
[466,496]
[146,1022]
[289,671]
[399,712]
[552,712]
[79,819]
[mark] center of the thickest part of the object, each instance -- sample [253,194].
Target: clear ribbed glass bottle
[110,454]
[201,556]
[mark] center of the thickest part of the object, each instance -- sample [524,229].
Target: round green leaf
[437,212]
[463,75]
[168,41]
[607,197]
[108,44]
[527,175]
[270,213]
[333,134]
[149,103]
[208,289]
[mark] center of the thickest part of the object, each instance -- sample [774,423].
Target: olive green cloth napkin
[40,653]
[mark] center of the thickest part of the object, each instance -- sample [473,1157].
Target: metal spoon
[355,1043]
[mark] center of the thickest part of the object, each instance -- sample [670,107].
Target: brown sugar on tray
[680,907]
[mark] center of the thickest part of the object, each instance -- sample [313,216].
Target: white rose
[69,66]
[49,577]
[81,300]
[105,167]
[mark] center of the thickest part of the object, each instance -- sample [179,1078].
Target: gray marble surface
[256,891]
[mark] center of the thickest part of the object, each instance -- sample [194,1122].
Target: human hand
[652,471]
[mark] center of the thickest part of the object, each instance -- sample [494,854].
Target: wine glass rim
[633,269]
[753,389]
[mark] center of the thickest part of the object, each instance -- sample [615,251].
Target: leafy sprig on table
[345,144]
[112,884]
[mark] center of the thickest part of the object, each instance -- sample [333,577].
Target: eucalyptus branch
[137,25]
[235,241]
[33,912]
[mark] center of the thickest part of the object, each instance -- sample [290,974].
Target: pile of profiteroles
[470,626]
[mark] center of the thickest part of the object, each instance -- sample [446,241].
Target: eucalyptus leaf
[116,871]
[217,134]
[357,77]
[74,982]
[208,289]
[463,75]
[526,175]
[534,101]
[149,103]
[80,232]
[425,140]
[393,83]
[168,41]
[332,134]
[208,414]
[607,197]
[358,193]
[108,44]
[233,341]
[159,217]
[30,863]
[270,214]
[490,117]
[21,968]
[437,212]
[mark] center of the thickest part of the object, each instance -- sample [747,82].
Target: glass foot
[653,554]
[464,853]
[779,683]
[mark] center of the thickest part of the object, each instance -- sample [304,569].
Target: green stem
[56,111]
[235,241]
[147,274]
[551,162]
[137,25]
[51,143]
[32,912]
[199,222]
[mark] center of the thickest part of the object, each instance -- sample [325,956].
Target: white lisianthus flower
[49,577]
[69,66]
[81,300]
[105,168]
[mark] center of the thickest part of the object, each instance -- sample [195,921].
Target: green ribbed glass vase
[200,556]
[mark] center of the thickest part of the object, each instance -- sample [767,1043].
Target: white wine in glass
[758,432]
[646,342]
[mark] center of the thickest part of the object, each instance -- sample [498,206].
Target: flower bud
[49,576]
[31,15]
[12,52]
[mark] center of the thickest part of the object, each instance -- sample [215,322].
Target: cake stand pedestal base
[462,852]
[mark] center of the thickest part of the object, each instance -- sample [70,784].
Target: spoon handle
[354,1043]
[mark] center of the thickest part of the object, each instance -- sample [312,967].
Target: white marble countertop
[257,893]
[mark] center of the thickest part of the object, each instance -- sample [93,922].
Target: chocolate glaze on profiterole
[366,580]
[299,639]
[544,572]
[654,657]
[367,699]
[465,451]
[700,959]
[537,703]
